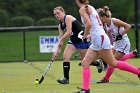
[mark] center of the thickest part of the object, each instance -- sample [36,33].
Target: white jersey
[97,27]
[113,31]
[99,38]
[122,45]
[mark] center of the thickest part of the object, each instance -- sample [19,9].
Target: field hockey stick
[47,69]
[77,55]
[81,36]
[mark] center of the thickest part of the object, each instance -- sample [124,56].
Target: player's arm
[69,28]
[120,23]
[87,21]
[61,32]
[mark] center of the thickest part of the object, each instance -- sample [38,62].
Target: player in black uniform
[69,27]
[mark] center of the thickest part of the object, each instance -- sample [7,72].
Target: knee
[113,64]
[66,58]
[85,64]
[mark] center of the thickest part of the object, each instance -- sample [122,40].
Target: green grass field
[19,77]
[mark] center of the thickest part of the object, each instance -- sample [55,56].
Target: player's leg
[69,50]
[133,53]
[96,63]
[104,63]
[89,57]
[110,60]
[121,54]
[110,69]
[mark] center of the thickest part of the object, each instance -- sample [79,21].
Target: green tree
[37,9]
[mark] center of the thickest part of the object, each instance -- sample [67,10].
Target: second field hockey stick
[81,36]
[47,69]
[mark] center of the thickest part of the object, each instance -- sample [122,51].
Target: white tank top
[113,31]
[97,27]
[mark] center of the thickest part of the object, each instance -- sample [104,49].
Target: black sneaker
[105,68]
[135,52]
[63,81]
[83,91]
[103,81]
[100,66]
[139,74]
[80,64]
[92,63]
[97,63]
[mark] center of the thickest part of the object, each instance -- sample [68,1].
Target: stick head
[42,78]
[52,60]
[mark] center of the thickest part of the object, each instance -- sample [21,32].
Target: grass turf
[19,77]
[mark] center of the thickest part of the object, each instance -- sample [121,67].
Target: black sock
[66,69]
[95,63]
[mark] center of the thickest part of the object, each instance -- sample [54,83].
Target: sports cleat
[135,52]
[139,74]
[80,64]
[105,65]
[100,66]
[63,81]
[105,68]
[97,63]
[83,91]
[103,81]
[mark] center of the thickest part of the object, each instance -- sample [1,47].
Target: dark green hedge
[21,21]
[47,21]
[4,18]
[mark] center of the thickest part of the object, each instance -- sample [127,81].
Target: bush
[21,21]
[4,18]
[47,22]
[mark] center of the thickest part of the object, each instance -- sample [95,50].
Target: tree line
[40,12]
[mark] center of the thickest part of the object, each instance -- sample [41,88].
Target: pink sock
[110,69]
[109,72]
[127,67]
[86,78]
[127,56]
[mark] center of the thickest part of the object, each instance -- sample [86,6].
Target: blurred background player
[69,27]
[117,32]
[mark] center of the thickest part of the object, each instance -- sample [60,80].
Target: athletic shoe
[139,74]
[80,64]
[103,81]
[63,81]
[100,66]
[97,63]
[135,52]
[83,91]
[93,63]
[105,68]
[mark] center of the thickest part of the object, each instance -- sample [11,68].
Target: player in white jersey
[100,46]
[117,32]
